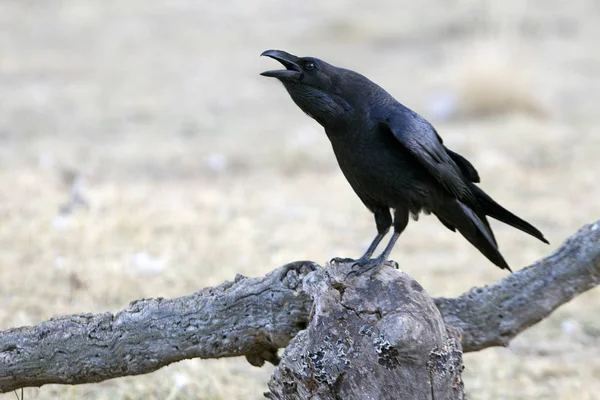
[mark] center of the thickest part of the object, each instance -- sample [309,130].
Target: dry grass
[197,169]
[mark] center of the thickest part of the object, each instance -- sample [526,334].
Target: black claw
[364,265]
[340,260]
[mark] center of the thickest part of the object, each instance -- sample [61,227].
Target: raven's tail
[488,206]
[475,228]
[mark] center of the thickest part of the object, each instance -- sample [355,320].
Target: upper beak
[289,61]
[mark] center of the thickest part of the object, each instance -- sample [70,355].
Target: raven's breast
[382,172]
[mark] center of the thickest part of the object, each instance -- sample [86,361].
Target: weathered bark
[251,317]
[379,338]
[258,315]
[493,315]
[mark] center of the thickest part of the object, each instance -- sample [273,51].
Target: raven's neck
[351,131]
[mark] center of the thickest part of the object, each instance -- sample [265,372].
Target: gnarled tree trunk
[378,337]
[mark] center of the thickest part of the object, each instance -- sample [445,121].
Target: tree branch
[251,317]
[493,315]
[256,316]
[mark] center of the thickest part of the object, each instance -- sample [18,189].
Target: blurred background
[142,155]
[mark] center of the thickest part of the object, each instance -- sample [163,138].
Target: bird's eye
[309,66]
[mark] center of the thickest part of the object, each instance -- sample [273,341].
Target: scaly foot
[340,260]
[364,265]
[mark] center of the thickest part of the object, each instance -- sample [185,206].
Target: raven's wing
[451,170]
[465,166]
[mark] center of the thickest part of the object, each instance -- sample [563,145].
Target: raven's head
[317,87]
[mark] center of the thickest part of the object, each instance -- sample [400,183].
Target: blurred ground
[196,168]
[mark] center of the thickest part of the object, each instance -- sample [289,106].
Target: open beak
[292,71]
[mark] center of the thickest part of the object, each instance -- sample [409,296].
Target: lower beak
[289,61]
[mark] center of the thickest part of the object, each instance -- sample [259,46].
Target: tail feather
[457,216]
[489,207]
[470,220]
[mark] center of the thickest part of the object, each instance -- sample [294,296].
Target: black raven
[392,157]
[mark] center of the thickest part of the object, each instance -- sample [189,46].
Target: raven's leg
[383,220]
[400,222]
